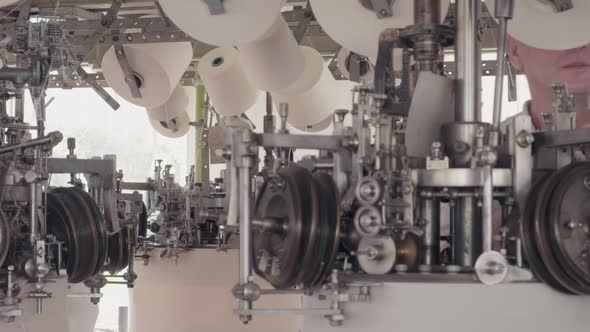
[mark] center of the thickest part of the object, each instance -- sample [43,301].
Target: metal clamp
[127,71]
[215,6]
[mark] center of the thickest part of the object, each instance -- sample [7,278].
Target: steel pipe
[468,61]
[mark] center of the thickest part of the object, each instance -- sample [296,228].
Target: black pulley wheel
[529,245]
[543,237]
[569,224]
[101,228]
[4,239]
[312,252]
[118,251]
[280,214]
[142,227]
[330,207]
[60,223]
[88,246]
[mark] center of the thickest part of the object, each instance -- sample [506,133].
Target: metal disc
[101,228]
[527,235]
[569,224]
[542,234]
[278,248]
[368,221]
[377,255]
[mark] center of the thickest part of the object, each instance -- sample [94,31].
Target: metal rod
[33,212]
[487,209]
[468,61]
[466,236]
[430,210]
[503,11]
[51,139]
[245,231]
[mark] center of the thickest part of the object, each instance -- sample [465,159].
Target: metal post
[487,208]
[468,61]
[466,231]
[123,319]
[504,11]
[245,231]
[430,210]
[33,212]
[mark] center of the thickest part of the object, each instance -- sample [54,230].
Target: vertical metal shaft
[426,47]
[430,210]
[33,212]
[466,231]
[501,68]
[468,61]
[123,319]
[504,11]
[245,231]
[487,209]
[19,105]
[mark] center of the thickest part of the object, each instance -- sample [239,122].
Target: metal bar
[430,213]
[499,88]
[245,231]
[332,143]
[200,115]
[466,236]
[130,78]
[287,312]
[487,208]
[460,177]
[468,61]
[503,11]
[561,138]
[137,186]
[33,213]
[51,139]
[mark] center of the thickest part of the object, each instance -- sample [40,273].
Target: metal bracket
[512,87]
[562,5]
[383,8]
[301,28]
[127,70]
[215,6]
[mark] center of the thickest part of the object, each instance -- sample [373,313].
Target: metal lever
[512,87]
[215,6]
[562,5]
[83,75]
[383,8]
[504,11]
[130,77]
